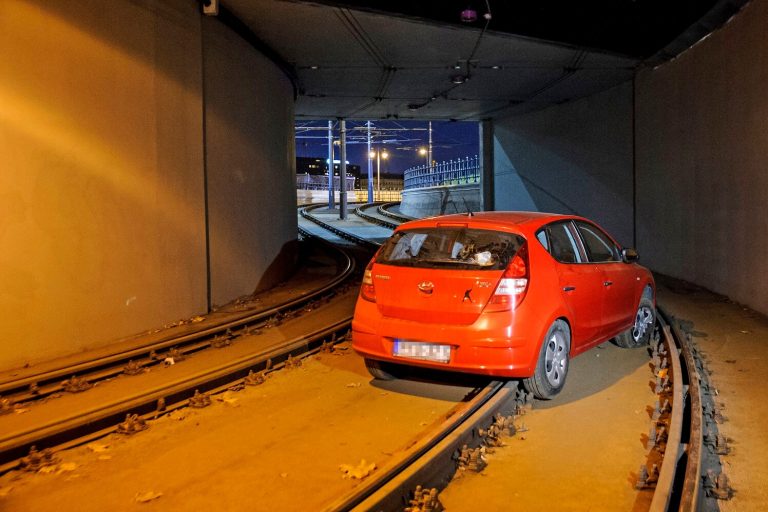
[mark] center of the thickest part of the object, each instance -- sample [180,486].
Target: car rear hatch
[443,274]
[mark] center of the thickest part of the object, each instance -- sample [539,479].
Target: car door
[581,284]
[619,281]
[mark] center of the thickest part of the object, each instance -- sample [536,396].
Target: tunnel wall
[103,178]
[574,158]
[702,160]
[251,187]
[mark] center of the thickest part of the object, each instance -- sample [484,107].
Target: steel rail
[430,461]
[678,486]
[16,444]
[49,382]
[360,212]
[691,497]
[305,212]
[383,210]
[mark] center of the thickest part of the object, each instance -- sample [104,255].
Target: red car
[506,294]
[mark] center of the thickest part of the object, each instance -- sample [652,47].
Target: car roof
[524,221]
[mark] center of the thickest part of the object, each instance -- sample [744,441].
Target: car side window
[600,248]
[561,243]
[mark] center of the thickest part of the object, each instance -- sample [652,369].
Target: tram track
[29,393]
[34,386]
[431,461]
[675,440]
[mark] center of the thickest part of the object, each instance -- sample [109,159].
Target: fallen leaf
[67,466]
[143,497]
[354,385]
[98,447]
[45,470]
[20,410]
[5,491]
[228,397]
[358,472]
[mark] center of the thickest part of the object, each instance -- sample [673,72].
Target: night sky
[402,139]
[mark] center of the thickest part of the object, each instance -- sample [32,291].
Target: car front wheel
[552,366]
[641,331]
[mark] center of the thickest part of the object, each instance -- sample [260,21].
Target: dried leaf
[354,385]
[98,447]
[143,497]
[358,472]
[5,491]
[67,466]
[228,397]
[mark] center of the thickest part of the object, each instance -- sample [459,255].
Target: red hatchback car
[507,294]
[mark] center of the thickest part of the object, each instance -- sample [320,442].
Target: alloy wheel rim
[643,321]
[556,358]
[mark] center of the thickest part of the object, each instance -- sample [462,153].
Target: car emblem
[426,287]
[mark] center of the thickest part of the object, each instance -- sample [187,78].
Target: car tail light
[513,285]
[367,291]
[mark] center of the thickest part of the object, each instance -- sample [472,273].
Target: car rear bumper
[487,347]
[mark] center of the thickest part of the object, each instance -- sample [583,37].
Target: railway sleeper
[425,500]
[647,479]
[716,485]
[36,460]
[133,423]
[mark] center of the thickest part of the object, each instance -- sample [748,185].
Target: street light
[378,155]
[425,153]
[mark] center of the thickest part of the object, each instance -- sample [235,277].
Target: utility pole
[343,171]
[370,167]
[331,195]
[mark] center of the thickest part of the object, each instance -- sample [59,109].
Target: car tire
[552,366]
[641,331]
[380,370]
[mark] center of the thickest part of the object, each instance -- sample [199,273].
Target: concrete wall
[430,201]
[571,158]
[102,185]
[251,187]
[702,161]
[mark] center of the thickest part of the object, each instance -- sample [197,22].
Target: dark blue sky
[402,139]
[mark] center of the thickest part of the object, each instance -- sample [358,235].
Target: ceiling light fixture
[469,15]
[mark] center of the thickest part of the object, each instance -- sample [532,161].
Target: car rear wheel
[552,367]
[380,370]
[641,331]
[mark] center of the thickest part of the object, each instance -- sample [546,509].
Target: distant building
[312,173]
[389,181]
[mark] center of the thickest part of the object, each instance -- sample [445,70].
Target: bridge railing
[453,172]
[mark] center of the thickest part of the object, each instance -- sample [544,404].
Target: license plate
[425,351]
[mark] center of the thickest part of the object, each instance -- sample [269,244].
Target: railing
[453,172]
[319,182]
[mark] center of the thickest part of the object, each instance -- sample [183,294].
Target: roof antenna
[469,210]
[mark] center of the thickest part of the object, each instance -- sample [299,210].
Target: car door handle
[607,283]
[569,288]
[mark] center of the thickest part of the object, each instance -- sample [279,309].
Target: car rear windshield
[444,247]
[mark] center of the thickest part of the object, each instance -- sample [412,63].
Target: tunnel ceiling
[387,59]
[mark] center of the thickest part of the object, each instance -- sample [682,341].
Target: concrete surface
[103,219]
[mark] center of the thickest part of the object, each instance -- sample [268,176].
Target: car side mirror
[629,255]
